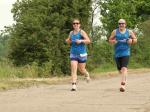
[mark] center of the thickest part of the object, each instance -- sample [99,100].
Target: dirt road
[100,95]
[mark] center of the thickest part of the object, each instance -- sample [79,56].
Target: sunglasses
[76,23]
[121,23]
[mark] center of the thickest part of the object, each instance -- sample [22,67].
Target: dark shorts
[78,58]
[122,62]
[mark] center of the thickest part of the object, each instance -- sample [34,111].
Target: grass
[8,70]
[20,77]
[16,83]
[27,76]
[6,84]
[105,68]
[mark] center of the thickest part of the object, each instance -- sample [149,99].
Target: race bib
[83,55]
[123,40]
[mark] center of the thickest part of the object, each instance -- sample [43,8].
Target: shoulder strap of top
[116,30]
[80,34]
[127,30]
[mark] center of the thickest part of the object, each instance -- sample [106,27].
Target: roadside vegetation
[34,48]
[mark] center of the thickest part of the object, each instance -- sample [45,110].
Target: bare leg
[84,71]
[123,72]
[74,65]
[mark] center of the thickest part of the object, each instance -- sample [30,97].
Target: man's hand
[129,41]
[113,41]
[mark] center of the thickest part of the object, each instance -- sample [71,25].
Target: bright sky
[6,17]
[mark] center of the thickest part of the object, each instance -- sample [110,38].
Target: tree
[41,28]
[4,38]
[133,11]
[143,9]
[113,10]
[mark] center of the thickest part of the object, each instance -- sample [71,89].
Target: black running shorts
[122,62]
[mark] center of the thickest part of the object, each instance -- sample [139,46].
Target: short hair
[122,21]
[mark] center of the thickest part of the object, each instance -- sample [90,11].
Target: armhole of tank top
[80,31]
[71,33]
[128,32]
[115,33]
[81,34]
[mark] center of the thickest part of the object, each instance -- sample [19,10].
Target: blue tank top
[122,48]
[77,48]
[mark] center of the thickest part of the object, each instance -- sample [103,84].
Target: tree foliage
[41,28]
[133,11]
[37,37]
[4,37]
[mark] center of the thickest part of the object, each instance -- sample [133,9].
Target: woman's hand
[68,41]
[78,41]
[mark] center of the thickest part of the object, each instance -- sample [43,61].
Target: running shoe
[74,87]
[122,88]
[88,79]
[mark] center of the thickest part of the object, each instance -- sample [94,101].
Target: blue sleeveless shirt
[122,48]
[77,49]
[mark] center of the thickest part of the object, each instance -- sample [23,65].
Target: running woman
[122,38]
[78,39]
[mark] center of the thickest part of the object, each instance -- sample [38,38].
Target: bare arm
[86,39]
[68,40]
[112,39]
[133,37]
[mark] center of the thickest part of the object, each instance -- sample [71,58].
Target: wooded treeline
[41,26]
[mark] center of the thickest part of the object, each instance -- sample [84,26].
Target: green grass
[8,70]
[6,84]
[105,68]
[112,67]
[133,65]
[22,77]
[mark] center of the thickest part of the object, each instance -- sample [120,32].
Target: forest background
[34,46]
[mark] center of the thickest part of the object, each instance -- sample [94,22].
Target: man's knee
[124,69]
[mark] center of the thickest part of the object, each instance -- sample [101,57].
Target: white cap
[121,21]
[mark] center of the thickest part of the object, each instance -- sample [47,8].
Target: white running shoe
[74,87]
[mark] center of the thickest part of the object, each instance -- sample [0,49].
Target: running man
[78,39]
[122,38]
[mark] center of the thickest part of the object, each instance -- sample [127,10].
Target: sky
[6,17]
